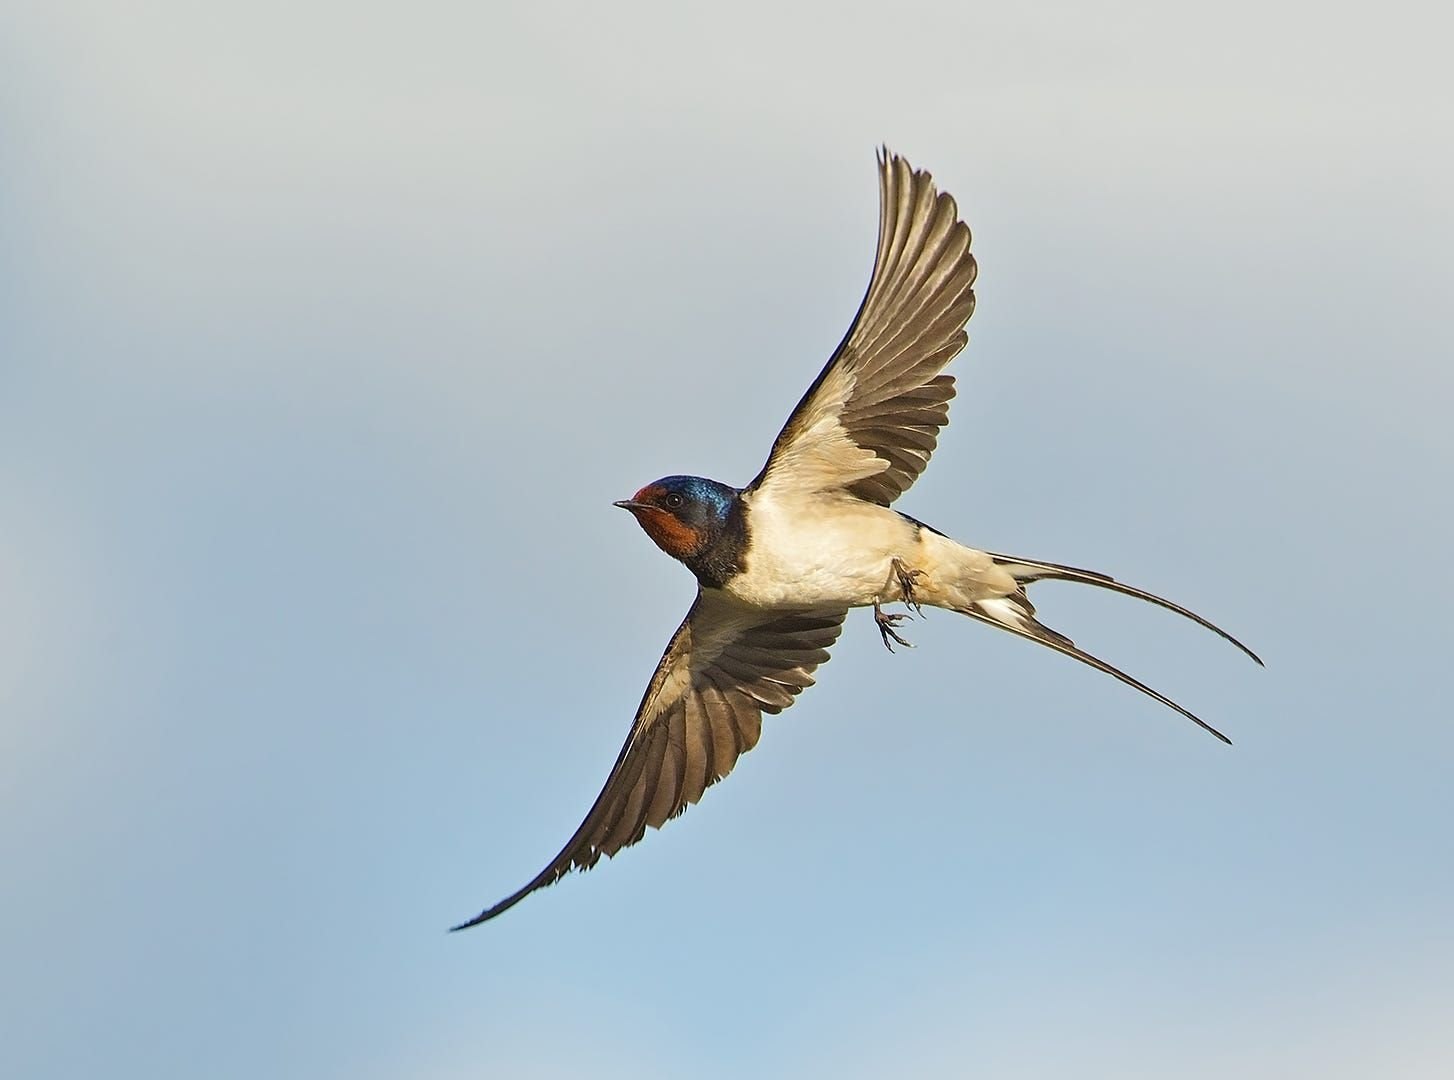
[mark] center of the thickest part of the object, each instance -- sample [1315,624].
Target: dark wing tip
[484,916]
[505,904]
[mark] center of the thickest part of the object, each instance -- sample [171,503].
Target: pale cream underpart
[828,549]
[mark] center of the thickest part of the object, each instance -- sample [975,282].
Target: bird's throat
[672,535]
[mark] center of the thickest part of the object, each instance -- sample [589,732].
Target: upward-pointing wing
[726,666]
[872,418]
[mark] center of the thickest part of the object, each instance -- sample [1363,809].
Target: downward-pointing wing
[726,666]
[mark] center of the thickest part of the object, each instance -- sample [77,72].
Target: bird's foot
[907,576]
[886,623]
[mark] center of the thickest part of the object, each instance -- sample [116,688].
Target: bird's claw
[907,576]
[886,623]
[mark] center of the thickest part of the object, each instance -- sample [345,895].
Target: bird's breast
[824,551]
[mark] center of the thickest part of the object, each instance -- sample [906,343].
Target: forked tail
[1016,614]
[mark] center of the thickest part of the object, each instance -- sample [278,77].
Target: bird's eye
[674,501]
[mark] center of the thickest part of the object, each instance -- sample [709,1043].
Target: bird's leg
[886,624]
[907,576]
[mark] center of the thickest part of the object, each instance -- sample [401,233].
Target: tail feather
[1027,571]
[1013,613]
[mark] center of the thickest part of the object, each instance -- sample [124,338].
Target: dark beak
[631,504]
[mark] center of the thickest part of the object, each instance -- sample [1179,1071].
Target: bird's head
[683,515]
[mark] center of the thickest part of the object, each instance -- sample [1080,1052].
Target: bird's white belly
[828,552]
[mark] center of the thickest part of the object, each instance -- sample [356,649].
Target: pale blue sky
[327,336]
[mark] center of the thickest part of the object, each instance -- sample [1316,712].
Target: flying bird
[780,562]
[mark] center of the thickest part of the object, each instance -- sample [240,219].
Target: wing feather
[871,419]
[726,741]
[726,665]
[669,780]
[698,748]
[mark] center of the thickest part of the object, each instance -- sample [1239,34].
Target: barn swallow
[780,562]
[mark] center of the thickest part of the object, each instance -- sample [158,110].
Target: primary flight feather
[780,562]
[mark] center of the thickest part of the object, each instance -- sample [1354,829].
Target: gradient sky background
[327,335]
